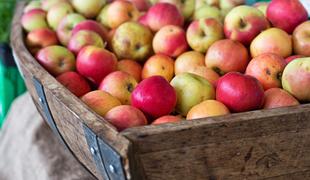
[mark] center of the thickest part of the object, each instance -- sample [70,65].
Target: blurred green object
[11,83]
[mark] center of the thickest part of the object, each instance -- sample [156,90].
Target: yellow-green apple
[47,4]
[227,5]
[287,14]
[120,85]
[200,3]
[132,40]
[267,69]
[206,73]
[293,57]
[125,116]
[276,97]
[162,14]
[34,19]
[35,4]
[56,59]
[91,25]
[301,39]
[170,40]
[95,63]
[186,7]
[262,6]
[148,97]
[84,38]
[227,55]
[167,119]
[74,82]
[40,38]
[131,67]
[142,5]
[202,33]
[158,64]
[89,8]
[240,92]
[118,12]
[244,23]
[187,61]
[100,101]
[273,40]
[206,11]
[207,108]
[57,13]
[191,90]
[64,29]
[296,79]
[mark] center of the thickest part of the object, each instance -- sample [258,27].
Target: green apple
[227,5]
[132,41]
[191,90]
[88,8]
[207,11]
[57,13]
[296,79]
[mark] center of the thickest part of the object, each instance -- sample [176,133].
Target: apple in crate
[131,67]
[227,5]
[244,23]
[273,40]
[276,97]
[293,57]
[74,82]
[91,25]
[240,92]
[206,11]
[170,40]
[132,40]
[167,119]
[191,90]
[188,61]
[88,8]
[120,85]
[56,59]
[34,19]
[64,29]
[286,14]
[118,12]
[262,6]
[227,55]
[95,63]
[36,4]
[301,39]
[162,14]
[206,73]
[100,101]
[142,5]
[154,96]
[47,4]
[202,33]
[84,38]
[296,79]
[186,7]
[40,38]
[267,69]
[207,108]
[158,64]
[57,13]
[125,116]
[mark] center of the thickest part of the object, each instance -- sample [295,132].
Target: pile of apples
[140,62]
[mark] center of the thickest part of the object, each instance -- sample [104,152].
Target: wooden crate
[263,144]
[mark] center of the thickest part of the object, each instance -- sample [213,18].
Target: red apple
[267,69]
[95,63]
[34,19]
[143,20]
[74,82]
[91,25]
[162,14]
[286,14]
[84,38]
[293,57]
[131,67]
[276,97]
[167,119]
[148,97]
[240,92]
[40,38]
[120,85]
[170,40]
[56,59]
[125,116]
[227,55]
[301,39]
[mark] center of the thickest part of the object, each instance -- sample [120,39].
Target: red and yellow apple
[207,11]
[167,119]
[91,25]
[40,38]
[131,67]
[207,108]
[276,97]
[206,73]
[301,39]
[57,12]
[188,61]
[34,19]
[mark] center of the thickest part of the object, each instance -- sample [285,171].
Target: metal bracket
[107,160]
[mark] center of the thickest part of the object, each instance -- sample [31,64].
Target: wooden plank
[247,158]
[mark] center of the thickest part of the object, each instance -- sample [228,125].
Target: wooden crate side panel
[247,158]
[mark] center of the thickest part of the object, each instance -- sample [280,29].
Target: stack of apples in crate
[140,62]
